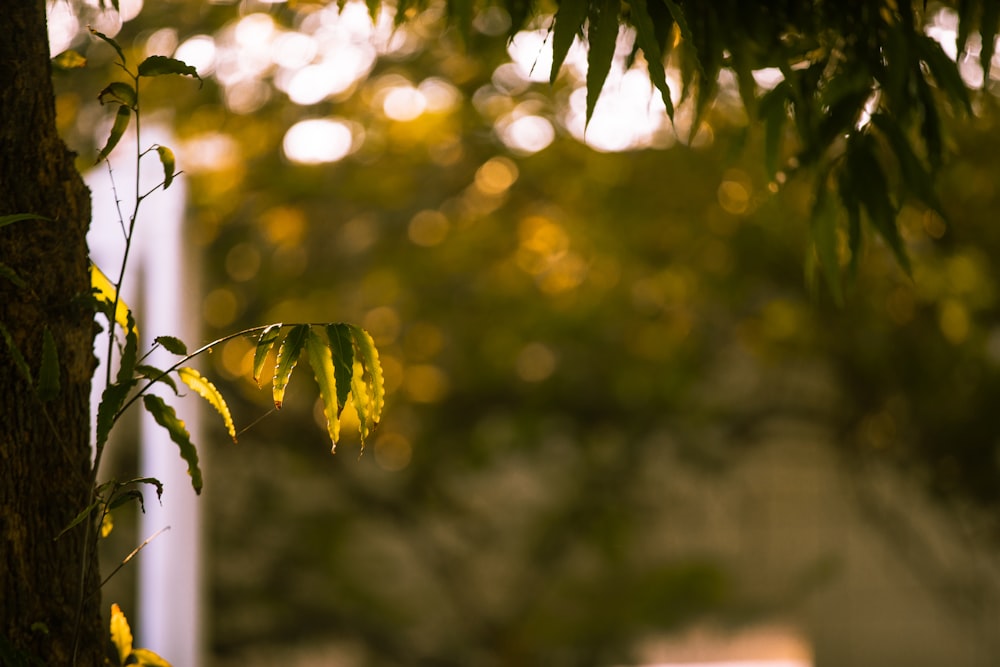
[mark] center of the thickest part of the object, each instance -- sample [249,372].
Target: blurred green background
[620,404]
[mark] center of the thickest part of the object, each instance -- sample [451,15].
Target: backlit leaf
[567,24]
[288,356]
[264,344]
[321,361]
[145,658]
[367,385]
[160,65]
[156,375]
[121,634]
[342,347]
[69,59]
[168,162]
[602,35]
[166,417]
[119,91]
[204,388]
[48,372]
[117,130]
[106,291]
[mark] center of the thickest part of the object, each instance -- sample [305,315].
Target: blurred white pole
[162,288]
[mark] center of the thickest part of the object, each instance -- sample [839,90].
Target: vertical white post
[162,288]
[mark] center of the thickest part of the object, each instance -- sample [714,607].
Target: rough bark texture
[44,447]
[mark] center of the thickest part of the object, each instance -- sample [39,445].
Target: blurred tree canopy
[573,300]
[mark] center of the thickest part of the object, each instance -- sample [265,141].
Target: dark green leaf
[646,40]
[48,373]
[15,354]
[11,275]
[160,65]
[872,188]
[117,130]
[171,344]
[18,217]
[824,237]
[112,401]
[156,375]
[288,356]
[80,517]
[113,43]
[126,365]
[119,91]
[917,179]
[168,162]
[127,497]
[930,126]
[342,347]
[264,344]
[988,33]
[602,35]
[167,418]
[567,24]
[944,70]
[773,111]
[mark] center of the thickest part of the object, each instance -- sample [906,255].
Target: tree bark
[49,608]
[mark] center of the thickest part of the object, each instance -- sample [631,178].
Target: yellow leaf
[321,361]
[107,524]
[146,658]
[367,386]
[106,291]
[121,634]
[204,388]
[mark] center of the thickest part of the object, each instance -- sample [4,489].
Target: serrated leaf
[288,356]
[117,130]
[168,162]
[18,217]
[321,360]
[112,400]
[15,354]
[264,344]
[121,634]
[602,35]
[567,24]
[48,373]
[69,59]
[146,658]
[113,43]
[106,291]
[342,347]
[166,417]
[171,344]
[646,40]
[367,385]
[204,388]
[156,375]
[120,92]
[160,65]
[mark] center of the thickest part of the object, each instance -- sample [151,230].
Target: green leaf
[18,217]
[647,41]
[288,356]
[15,354]
[944,70]
[155,375]
[168,162]
[988,33]
[146,658]
[566,25]
[870,183]
[917,179]
[930,127]
[602,35]
[127,497]
[121,634]
[264,344]
[367,385]
[773,111]
[321,361]
[120,92]
[48,373]
[824,237]
[160,65]
[204,388]
[80,517]
[171,344]
[112,400]
[342,347]
[117,130]
[167,418]
[113,43]
[11,276]
[69,60]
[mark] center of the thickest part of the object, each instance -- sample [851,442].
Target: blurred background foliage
[582,337]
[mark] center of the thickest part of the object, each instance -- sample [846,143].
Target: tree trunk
[49,607]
